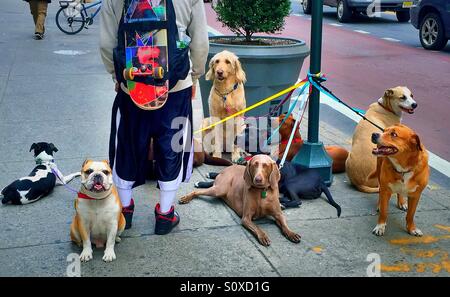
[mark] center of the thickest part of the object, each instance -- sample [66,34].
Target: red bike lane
[360,67]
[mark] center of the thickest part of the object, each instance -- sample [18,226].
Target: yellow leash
[297,85]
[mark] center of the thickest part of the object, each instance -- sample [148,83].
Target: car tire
[431,32]
[344,13]
[306,5]
[403,16]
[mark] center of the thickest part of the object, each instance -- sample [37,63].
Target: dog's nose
[414,105]
[98,178]
[220,72]
[375,137]
[258,179]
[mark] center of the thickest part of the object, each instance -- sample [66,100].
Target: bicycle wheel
[69,20]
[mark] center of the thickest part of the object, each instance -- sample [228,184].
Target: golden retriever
[227,97]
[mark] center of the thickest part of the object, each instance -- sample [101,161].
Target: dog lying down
[40,182]
[295,184]
[252,192]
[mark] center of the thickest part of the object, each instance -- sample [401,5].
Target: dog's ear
[247,174]
[53,147]
[240,74]
[34,146]
[388,93]
[85,162]
[275,176]
[210,74]
[415,140]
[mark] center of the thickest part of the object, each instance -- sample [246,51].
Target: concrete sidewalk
[66,99]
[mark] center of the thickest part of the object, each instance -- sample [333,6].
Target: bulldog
[98,211]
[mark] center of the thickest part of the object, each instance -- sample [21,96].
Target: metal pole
[312,154]
[315,63]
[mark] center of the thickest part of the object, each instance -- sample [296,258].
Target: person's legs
[41,14]
[128,149]
[173,152]
[34,10]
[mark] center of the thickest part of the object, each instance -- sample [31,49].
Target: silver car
[346,9]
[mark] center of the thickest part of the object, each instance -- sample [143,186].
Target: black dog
[297,183]
[40,182]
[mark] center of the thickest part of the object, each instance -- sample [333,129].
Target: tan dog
[98,209]
[226,98]
[252,192]
[402,169]
[386,112]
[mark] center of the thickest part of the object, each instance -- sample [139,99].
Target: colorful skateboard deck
[146,54]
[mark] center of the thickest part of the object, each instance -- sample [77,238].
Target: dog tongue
[98,187]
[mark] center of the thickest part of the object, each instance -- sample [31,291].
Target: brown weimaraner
[252,192]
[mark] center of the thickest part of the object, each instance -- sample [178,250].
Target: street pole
[312,154]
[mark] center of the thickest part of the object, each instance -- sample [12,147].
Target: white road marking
[361,31]
[439,164]
[214,31]
[335,24]
[391,39]
[70,52]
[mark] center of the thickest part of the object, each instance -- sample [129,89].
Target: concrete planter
[269,70]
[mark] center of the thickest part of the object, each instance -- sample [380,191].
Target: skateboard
[146,53]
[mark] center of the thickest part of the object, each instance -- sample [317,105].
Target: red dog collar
[295,140]
[84,196]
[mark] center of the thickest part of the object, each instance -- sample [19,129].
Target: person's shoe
[38,36]
[165,222]
[128,214]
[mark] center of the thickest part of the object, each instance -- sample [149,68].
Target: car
[346,9]
[432,18]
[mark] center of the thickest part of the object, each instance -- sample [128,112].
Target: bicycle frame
[86,7]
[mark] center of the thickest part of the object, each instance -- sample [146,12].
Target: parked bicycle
[73,15]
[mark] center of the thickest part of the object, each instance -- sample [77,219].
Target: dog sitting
[402,169]
[98,211]
[42,179]
[297,183]
[252,192]
[227,97]
[386,112]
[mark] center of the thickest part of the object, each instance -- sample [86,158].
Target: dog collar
[224,95]
[295,140]
[84,196]
[385,107]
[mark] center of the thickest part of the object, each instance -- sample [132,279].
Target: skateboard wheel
[143,68]
[158,73]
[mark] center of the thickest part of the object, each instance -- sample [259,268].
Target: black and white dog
[40,182]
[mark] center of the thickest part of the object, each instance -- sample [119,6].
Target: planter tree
[247,17]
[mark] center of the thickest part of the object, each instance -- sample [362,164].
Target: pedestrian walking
[38,10]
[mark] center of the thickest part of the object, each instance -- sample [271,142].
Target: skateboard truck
[144,70]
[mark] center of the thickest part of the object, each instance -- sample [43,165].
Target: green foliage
[247,17]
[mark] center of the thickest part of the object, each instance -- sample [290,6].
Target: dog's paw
[379,229]
[86,255]
[416,232]
[217,155]
[184,200]
[264,240]
[109,255]
[196,185]
[118,239]
[403,206]
[294,237]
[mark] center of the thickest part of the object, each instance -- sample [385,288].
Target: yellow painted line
[389,12]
